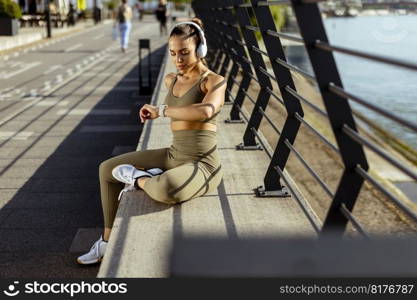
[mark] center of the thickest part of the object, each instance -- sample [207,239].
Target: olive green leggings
[191,168]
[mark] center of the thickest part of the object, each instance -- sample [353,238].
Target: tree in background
[111,4]
[279,14]
[10,9]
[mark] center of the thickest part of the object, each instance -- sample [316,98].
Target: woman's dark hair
[186,31]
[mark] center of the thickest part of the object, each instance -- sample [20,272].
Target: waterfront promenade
[295,163]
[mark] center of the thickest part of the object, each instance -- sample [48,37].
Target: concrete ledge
[20,40]
[143,230]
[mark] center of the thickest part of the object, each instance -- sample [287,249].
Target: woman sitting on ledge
[190,167]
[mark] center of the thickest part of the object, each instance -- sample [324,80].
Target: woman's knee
[105,169]
[183,188]
[163,189]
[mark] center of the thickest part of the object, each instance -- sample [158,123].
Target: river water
[390,87]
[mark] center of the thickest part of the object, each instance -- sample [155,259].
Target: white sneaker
[95,254]
[128,174]
[126,189]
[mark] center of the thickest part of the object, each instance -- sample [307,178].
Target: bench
[32,20]
[58,20]
[143,231]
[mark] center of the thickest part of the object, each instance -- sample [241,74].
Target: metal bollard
[144,89]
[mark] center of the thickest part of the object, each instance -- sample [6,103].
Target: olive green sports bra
[193,95]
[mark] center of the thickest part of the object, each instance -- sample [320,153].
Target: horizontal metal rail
[304,100]
[286,36]
[391,61]
[319,135]
[238,25]
[313,222]
[243,114]
[355,136]
[352,219]
[255,132]
[271,92]
[341,92]
[295,69]
[261,111]
[387,193]
[285,64]
[274,2]
[310,170]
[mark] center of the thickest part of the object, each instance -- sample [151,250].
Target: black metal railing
[234,50]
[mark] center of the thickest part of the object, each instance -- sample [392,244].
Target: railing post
[249,141]
[217,43]
[237,55]
[144,89]
[48,20]
[312,30]
[215,54]
[292,105]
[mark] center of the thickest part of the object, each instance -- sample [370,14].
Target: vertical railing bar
[312,29]
[274,49]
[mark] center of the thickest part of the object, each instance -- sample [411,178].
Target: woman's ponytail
[198,22]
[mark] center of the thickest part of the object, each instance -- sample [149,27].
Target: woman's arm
[214,99]
[193,112]
[211,104]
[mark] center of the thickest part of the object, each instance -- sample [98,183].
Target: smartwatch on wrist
[161,111]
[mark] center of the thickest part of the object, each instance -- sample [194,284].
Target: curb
[13,52]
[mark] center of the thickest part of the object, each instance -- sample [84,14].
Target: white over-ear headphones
[202,48]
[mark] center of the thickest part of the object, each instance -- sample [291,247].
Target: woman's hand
[148,112]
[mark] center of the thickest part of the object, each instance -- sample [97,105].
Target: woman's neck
[195,71]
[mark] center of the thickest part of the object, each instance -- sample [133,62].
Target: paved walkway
[50,209]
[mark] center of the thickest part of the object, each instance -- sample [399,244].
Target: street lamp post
[96,13]
[48,19]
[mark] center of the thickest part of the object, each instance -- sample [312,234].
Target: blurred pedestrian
[71,15]
[123,17]
[141,11]
[96,14]
[161,13]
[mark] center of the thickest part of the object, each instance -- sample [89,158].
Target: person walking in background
[140,9]
[161,15]
[123,17]
[71,15]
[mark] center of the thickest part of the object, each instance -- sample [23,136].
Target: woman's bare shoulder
[213,79]
[169,78]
